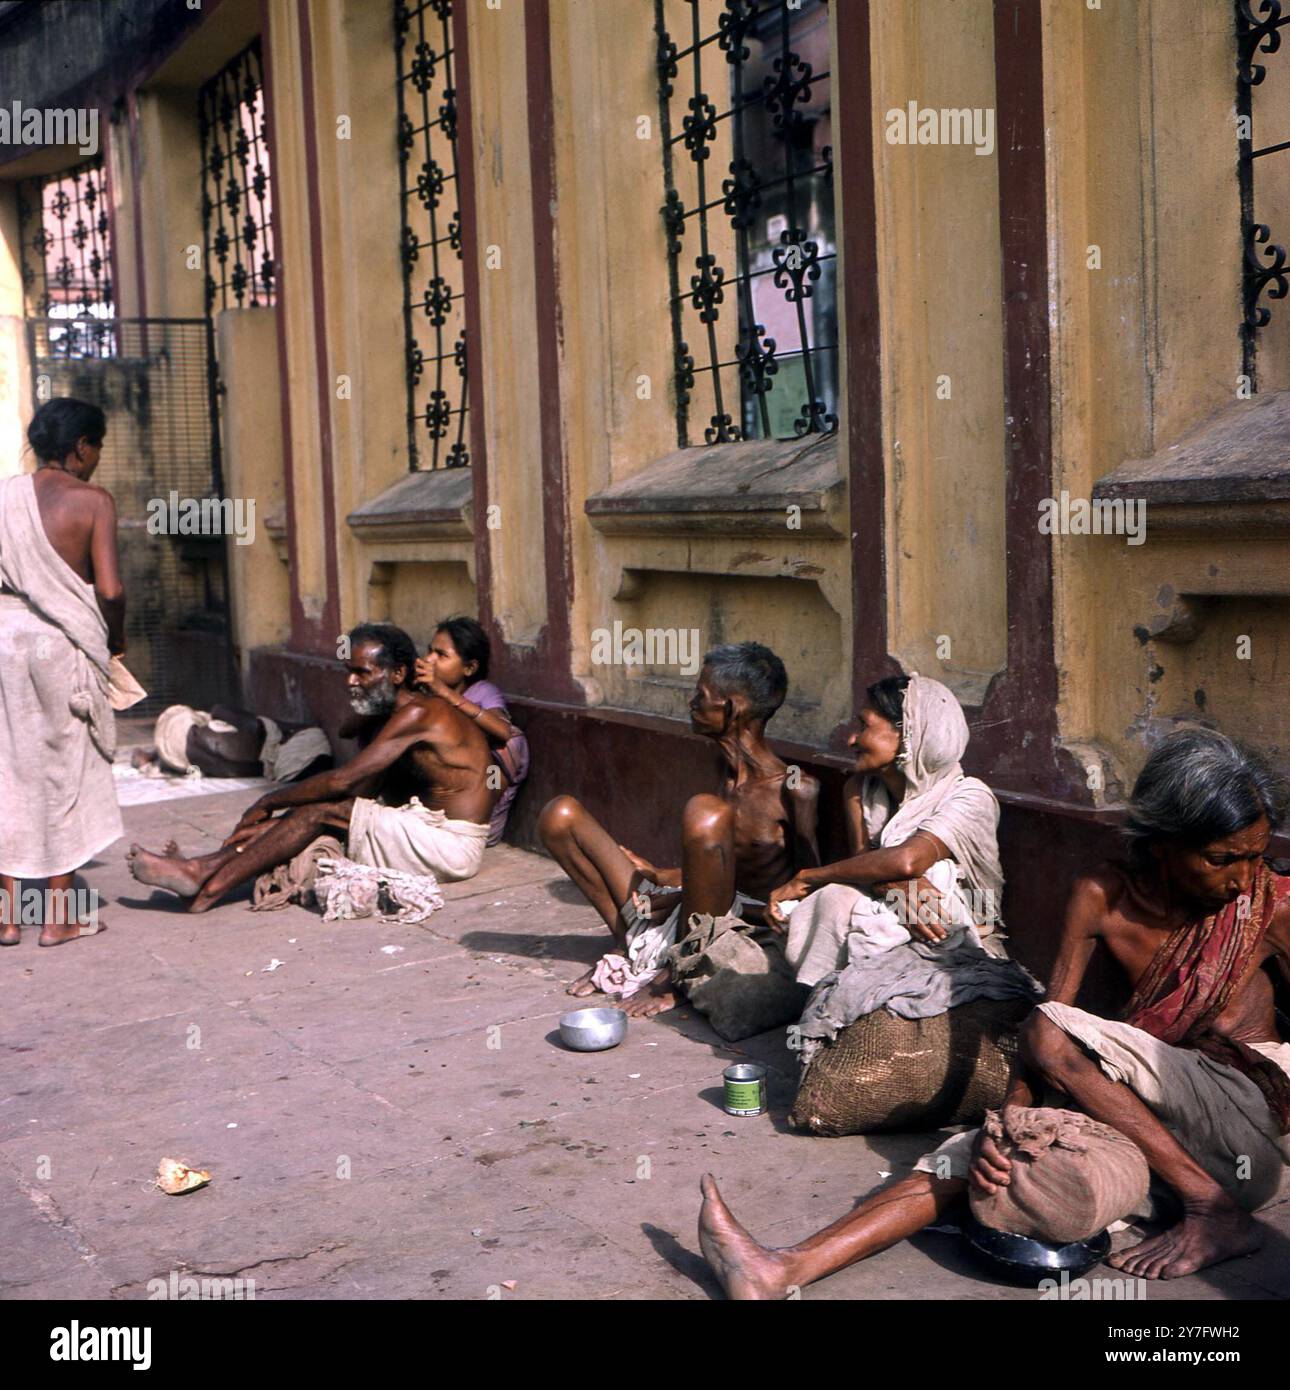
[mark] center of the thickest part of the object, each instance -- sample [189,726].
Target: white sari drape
[57,732]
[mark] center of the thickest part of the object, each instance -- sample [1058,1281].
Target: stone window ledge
[730,489]
[430,505]
[1231,473]
[275,524]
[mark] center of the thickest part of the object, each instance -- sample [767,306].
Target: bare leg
[10,925]
[1212,1227]
[589,854]
[205,879]
[61,923]
[707,885]
[748,1270]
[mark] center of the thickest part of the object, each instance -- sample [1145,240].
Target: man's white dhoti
[415,840]
[1214,1111]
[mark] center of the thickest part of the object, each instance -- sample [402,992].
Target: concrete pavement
[387,1113]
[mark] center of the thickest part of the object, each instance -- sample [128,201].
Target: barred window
[237,204]
[66,236]
[748,211]
[430,240]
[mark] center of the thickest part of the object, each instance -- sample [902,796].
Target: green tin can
[745,1089]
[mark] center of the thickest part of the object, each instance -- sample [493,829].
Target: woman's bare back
[68,509]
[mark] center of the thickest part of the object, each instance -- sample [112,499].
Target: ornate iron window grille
[65,233]
[430,236]
[1264,261]
[237,220]
[772,216]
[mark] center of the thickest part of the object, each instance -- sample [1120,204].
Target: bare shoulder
[1097,892]
[405,721]
[436,718]
[1278,933]
[96,499]
[803,790]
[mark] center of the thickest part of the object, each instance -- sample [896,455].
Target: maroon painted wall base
[634,772]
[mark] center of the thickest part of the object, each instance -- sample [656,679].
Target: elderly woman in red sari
[1195,1075]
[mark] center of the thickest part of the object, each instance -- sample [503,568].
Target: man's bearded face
[377,697]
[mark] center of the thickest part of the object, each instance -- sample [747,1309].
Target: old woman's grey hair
[1199,786]
[751,670]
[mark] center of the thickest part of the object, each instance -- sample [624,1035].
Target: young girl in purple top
[456,669]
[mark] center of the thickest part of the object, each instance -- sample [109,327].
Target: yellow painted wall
[1142,155]
[301,315]
[941,298]
[15,376]
[251,436]
[508,309]
[354,73]
[1141,148]
[613,275]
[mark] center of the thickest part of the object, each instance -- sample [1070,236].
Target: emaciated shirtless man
[753,835]
[1197,1076]
[414,799]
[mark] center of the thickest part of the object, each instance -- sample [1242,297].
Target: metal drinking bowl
[1024,1260]
[593,1030]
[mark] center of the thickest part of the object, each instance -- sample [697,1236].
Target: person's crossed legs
[592,858]
[206,878]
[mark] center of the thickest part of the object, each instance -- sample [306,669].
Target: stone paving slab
[406,1122]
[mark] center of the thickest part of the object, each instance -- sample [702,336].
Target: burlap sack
[884,1072]
[736,975]
[1071,1175]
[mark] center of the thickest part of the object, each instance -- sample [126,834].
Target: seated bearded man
[1195,1074]
[415,799]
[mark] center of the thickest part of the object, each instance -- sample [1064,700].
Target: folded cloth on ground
[885,1072]
[415,840]
[1071,1178]
[293,881]
[735,975]
[647,941]
[345,890]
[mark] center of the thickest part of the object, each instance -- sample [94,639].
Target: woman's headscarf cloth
[960,811]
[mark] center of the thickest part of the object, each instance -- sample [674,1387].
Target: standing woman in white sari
[62,619]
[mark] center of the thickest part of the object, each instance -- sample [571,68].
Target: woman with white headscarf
[924,874]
